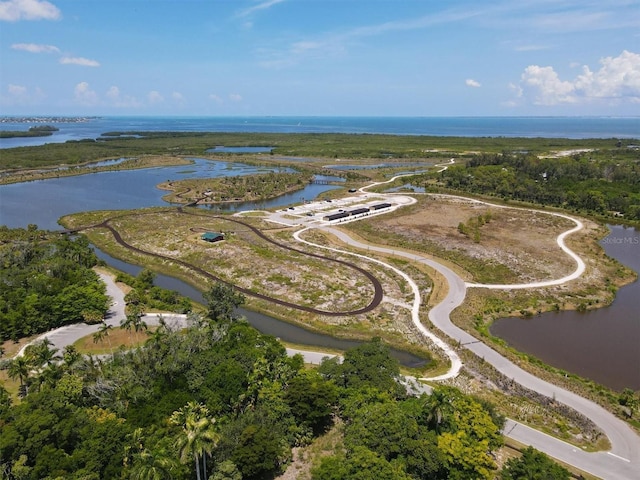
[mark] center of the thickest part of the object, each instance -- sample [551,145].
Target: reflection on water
[407,187]
[603,344]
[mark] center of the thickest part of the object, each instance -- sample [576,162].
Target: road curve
[622,462]
[448,304]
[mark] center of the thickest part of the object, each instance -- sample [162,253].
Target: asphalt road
[622,462]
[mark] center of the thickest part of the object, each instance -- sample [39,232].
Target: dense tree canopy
[368,365]
[220,400]
[586,182]
[46,281]
[533,465]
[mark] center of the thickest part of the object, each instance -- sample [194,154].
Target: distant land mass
[39,119]
[39,131]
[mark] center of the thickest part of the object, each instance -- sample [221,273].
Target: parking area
[340,210]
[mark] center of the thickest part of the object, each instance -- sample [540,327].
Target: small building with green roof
[212,237]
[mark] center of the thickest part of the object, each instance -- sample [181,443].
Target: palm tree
[159,334]
[133,321]
[438,409]
[70,356]
[139,325]
[48,376]
[127,323]
[144,464]
[44,354]
[148,465]
[198,437]
[102,333]
[19,368]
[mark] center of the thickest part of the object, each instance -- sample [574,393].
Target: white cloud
[216,98]
[618,79]
[17,90]
[84,62]
[517,89]
[14,10]
[83,95]
[234,97]
[155,97]
[177,97]
[470,82]
[545,87]
[121,101]
[261,6]
[21,95]
[35,48]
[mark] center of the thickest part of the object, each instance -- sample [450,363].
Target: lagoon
[43,202]
[603,344]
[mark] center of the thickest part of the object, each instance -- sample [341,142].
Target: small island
[37,131]
[234,189]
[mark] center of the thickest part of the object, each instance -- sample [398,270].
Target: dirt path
[377,285]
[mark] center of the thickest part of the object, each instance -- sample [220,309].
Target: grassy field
[118,339]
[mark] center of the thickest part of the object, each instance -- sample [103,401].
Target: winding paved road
[622,462]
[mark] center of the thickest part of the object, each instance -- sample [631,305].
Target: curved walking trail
[621,462]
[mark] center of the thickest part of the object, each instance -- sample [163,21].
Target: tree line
[218,400]
[603,185]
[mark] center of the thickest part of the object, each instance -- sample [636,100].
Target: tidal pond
[603,344]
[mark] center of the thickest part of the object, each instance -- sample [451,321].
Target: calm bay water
[550,127]
[603,344]
[43,202]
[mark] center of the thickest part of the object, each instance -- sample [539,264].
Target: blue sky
[320,57]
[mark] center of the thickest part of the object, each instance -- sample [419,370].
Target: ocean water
[549,127]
